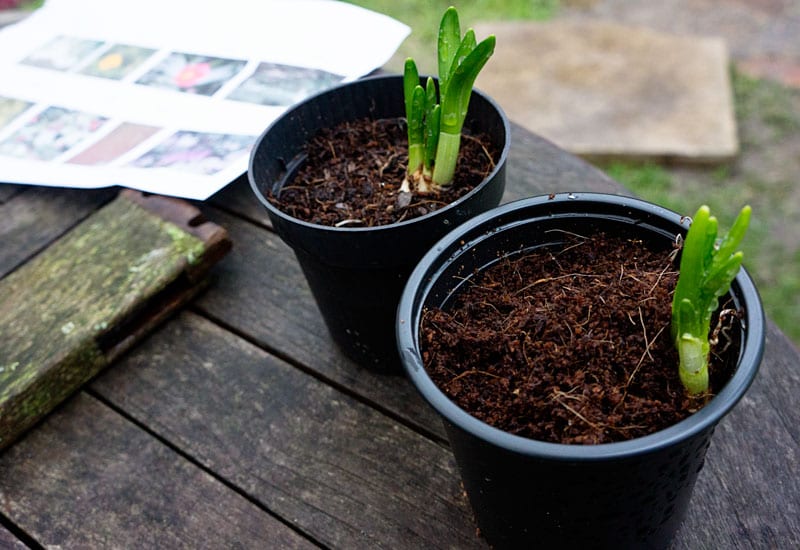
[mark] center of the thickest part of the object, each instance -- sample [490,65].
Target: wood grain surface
[105,483]
[342,472]
[239,424]
[32,219]
[7,191]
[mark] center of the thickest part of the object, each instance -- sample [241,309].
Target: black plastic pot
[357,274]
[532,494]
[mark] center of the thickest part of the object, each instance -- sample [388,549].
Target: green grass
[768,102]
[423,17]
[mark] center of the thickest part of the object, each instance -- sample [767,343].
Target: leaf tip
[746,211]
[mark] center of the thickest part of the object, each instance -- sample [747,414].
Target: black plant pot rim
[274,211]
[421,281]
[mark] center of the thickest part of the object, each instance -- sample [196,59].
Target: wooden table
[238,424]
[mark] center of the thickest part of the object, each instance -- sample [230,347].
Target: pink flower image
[192,74]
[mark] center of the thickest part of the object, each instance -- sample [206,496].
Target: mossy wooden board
[71,310]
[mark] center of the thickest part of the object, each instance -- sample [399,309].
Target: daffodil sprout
[707,269]
[434,127]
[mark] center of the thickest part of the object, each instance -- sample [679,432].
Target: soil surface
[570,345]
[353,174]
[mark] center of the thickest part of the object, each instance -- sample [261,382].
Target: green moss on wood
[55,309]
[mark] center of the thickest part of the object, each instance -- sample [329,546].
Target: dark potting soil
[353,174]
[570,345]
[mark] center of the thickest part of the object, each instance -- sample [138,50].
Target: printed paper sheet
[168,97]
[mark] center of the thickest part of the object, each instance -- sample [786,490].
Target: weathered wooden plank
[260,291]
[748,494]
[238,198]
[337,469]
[74,308]
[34,218]
[87,478]
[537,166]
[779,378]
[7,191]
[9,542]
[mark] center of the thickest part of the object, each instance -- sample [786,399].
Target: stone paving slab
[604,90]
[763,36]
[748,25]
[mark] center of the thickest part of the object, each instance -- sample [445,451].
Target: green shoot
[434,127]
[708,266]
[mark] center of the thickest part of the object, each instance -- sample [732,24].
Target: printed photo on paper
[117,142]
[11,108]
[275,84]
[192,74]
[50,133]
[118,61]
[196,152]
[63,53]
